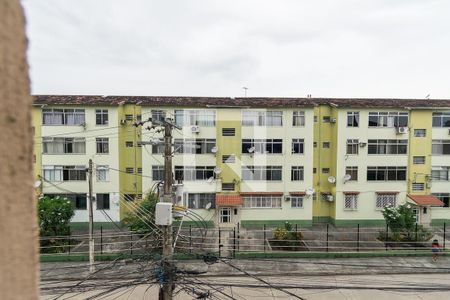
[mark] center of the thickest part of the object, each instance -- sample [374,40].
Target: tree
[401,221]
[54,215]
[144,214]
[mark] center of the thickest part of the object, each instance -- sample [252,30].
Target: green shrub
[139,219]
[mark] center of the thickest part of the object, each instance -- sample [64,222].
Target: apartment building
[69,133]
[256,161]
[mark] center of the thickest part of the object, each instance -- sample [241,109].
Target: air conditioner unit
[332,120]
[195,129]
[330,198]
[287,198]
[401,130]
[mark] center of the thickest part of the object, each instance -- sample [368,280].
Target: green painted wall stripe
[273,223]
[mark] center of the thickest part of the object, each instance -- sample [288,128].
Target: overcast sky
[345,48]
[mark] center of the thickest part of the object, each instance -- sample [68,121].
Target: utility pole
[166,291]
[91,221]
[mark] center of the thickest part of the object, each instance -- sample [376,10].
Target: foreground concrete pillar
[19,276]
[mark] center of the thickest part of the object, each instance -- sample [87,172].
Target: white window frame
[267,173]
[388,119]
[227,217]
[195,117]
[385,199]
[387,146]
[297,173]
[352,147]
[262,201]
[297,201]
[443,173]
[419,160]
[438,147]
[102,173]
[262,118]
[352,118]
[101,117]
[298,119]
[351,201]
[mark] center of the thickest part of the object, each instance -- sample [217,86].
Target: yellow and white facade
[255,161]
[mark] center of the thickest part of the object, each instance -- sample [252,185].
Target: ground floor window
[444,197]
[79,201]
[266,201]
[296,202]
[201,200]
[384,200]
[351,202]
[225,215]
[102,201]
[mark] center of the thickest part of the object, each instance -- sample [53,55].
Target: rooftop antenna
[245,90]
[428,96]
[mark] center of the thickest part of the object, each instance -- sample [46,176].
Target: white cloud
[348,48]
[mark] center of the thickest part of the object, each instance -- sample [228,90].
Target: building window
[325,196]
[297,173]
[298,146]
[129,170]
[139,170]
[444,197]
[79,201]
[158,149]
[419,160]
[353,146]
[269,173]
[418,187]
[314,170]
[315,144]
[353,119]
[64,173]
[129,144]
[296,202]
[440,147]
[350,201]
[54,116]
[190,173]
[298,118]
[441,119]
[199,201]
[129,117]
[64,145]
[325,170]
[193,146]
[228,159]
[384,200]
[102,145]
[228,131]
[228,186]
[225,215]
[158,116]
[388,119]
[440,173]
[386,173]
[262,118]
[353,172]
[157,173]
[420,132]
[102,201]
[326,119]
[266,146]
[101,117]
[315,119]
[387,146]
[52,173]
[102,173]
[326,145]
[204,117]
[264,201]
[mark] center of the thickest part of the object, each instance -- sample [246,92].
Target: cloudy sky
[346,48]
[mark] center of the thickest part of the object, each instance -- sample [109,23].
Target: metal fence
[228,242]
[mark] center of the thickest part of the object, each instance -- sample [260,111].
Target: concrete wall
[19,262]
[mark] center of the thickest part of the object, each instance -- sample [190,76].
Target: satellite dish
[347,177]
[331,179]
[208,205]
[210,179]
[217,170]
[251,149]
[214,149]
[309,191]
[37,184]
